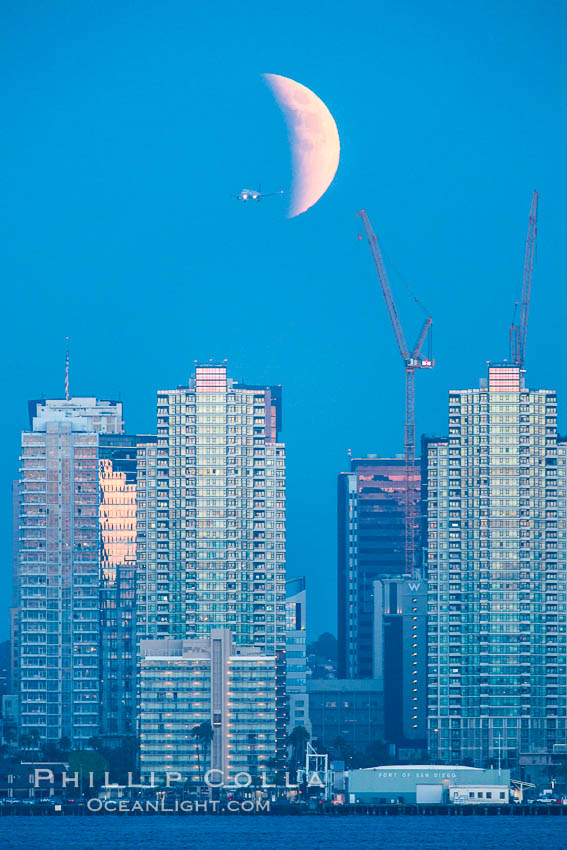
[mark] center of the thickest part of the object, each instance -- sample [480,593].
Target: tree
[10,735]
[65,744]
[51,752]
[95,743]
[195,734]
[326,646]
[203,735]
[343,749]
[25,741]
[298,742]
[320,747]
[34,738]
[206,737]
[85,762]
[122,760]
[378,752]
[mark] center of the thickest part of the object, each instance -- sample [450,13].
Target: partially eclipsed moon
[314,138]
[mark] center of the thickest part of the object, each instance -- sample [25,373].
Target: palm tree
[34,738]
[298,741]
[343,749]
[195,733]
[95,743]
[25,741]
[10,735]
[203,734]
[207,735]
[65,744]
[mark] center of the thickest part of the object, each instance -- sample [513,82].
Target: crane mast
[412,361]
[518,333]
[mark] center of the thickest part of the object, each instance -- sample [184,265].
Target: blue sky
[127,128]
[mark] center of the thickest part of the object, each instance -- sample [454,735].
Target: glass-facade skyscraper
[495,503]
[117,465]
[371,544]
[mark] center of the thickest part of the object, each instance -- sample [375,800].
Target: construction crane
[518,333]
[412,361]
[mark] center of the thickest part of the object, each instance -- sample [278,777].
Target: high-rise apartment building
[211,505]
[14,610]
[187,683]
[400,658]
[371,544]
[56,605]
[296,654]
[211,518]
[495,550]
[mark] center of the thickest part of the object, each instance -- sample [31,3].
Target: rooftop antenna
[67,370]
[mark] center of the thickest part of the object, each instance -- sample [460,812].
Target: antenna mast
[67,370]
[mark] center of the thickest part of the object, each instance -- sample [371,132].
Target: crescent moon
[314,138]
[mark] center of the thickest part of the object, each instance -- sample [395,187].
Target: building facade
[400,658]
[186,683]
[346,713]
[211,518]
[117,464]
[430,783]
[371,544]
[211,504]
[495,548]
[296,655]
[56,605]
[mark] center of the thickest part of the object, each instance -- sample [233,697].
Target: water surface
[282,832]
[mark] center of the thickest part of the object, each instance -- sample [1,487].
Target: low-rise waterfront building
[31,781]
[206,703]
[428,783]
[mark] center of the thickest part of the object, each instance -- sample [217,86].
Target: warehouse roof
[423,767]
